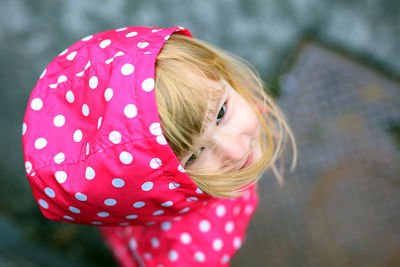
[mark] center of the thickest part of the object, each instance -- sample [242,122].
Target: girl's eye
[194,156]
[221,113]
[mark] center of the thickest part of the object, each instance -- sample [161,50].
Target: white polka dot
[96,223]
[90,173]
[147,255]
[115,137]
[119,53]
[192,199]
[99,122]
[59,158]
[80,74]
[181,169]
[155,243]
[161,140]
[118,182]
[229,227]
[121,29]
[105,43]
[184,210]
[63,52]
[158,212]
[155,163]
[217,244]
[40,143]
[59,120]
[225,259]
[110,202]
[87,148]
[173,185]
[108,94]
[103,214]
[148,84]
[23,128]
[142,44]
[167,37]
[199,256]
[28,167]
[61,79]
[237,242]
[124,224]
[74,210]
[236,210]
[130,111]
[54,85]
[132,244]
[93,82]
[204,226]
[198,191]
[87,65]
[68,217]
[71,56]
[77,136]
[130,217]
[80,196]
[125,157]
[85,110]
[127,69]
[108,61]
[166,226]
[220,210]
[167,204]
[147,186]
[186,238]
[50,192]
[131,34]
[43,73]
[43,203]
[173,255]
[155,128]
[249,209]
[87,38]
[61,176]
[37,104]
[139,204]
[70,96]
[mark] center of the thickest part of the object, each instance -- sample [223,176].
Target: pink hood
[93,146]
[94,149]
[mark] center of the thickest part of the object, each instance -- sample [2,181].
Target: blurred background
[332,65]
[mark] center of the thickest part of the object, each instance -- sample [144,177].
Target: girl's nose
[231,149]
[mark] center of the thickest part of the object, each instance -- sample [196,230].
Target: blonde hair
[183,113]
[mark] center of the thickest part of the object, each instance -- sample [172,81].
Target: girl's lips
[248,161]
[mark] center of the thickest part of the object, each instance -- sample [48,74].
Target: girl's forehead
[210,91]
[213,89]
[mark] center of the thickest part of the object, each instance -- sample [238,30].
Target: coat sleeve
[210,237]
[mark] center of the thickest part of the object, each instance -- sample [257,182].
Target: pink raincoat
[95,154]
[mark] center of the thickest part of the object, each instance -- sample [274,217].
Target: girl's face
[230,133]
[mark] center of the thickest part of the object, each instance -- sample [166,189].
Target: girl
[155,137]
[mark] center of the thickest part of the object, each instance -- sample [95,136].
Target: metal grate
[341,207]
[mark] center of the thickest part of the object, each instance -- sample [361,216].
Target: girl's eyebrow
[218,103]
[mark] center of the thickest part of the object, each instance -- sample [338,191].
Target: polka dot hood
[95,154]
